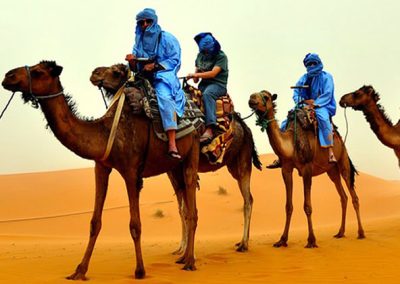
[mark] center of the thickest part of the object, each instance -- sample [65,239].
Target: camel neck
[381,125]
[281,142]
[74,133]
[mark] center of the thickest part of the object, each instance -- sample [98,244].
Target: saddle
[215,150]
[141,96]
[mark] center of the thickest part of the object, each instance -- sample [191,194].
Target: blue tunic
[322,92]
[165,49]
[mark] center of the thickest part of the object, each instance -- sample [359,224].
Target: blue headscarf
[207,43]
[146,41]
[315,70]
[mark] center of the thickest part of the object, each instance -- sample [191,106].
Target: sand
[44,227]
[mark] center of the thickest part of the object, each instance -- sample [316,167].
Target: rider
[318,96]
[164,52]
[212,68]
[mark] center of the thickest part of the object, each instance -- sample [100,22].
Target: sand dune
[44,225]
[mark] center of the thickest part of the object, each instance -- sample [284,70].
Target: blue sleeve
[298,94]
[169,53]
[327,92]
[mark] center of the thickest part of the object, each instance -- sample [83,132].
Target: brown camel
[365,99]
[238,157]
[310,160]
[135,154]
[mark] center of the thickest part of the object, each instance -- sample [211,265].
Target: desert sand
[44,227]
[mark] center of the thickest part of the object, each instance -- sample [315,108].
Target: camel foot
[241,247]
[79,273]
[361,235]
[140,273]
[179,251]
[181,260]
[339,235]
[77,276]
[280,243]
[189,266]
[311,245]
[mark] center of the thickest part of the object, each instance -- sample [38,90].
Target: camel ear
[274,96]
[56,70]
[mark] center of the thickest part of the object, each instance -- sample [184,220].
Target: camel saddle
[215,150]
[141,96]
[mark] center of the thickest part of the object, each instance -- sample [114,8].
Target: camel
[136,154]
[238,158]
[365,99]
[310,160]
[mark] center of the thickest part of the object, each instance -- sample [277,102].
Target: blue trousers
[211,93]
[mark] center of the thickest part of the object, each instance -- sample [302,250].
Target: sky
[358,42]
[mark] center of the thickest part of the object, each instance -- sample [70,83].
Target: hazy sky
[266,41]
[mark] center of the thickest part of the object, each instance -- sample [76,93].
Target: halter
[35,99]
[261,118]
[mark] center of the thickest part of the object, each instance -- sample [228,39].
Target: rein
[8,103]
[261,119]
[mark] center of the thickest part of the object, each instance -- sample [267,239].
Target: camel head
[360,98]
[34,81]
[110,78]
[263,102]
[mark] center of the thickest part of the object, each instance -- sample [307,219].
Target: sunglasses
[146,21]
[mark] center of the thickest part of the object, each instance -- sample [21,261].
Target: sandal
[174,155]
[205,137]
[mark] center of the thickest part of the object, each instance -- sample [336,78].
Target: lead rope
[8,103]
[347,126]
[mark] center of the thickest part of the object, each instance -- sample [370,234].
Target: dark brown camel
[238,158]
[136,153]
[366,100]
[310,160]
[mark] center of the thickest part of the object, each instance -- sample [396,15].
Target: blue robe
[322,92]
[165,49]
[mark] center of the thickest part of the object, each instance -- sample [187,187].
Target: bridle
[35,99]
[262,120]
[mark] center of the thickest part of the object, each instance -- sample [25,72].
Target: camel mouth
[10,86]
[253,104]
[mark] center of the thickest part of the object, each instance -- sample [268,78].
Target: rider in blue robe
[164,50]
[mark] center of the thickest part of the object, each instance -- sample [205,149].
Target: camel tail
[353,173]
[247,132]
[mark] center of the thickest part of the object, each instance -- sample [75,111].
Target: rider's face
[144,23]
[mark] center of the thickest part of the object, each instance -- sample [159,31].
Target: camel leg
[307,180]
[241,171]
[334,175]
[189,198]
[287,175]
[135,225]
[102,174]
[346,174]
[179,186]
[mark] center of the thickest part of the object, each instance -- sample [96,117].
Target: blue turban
[207,43]
[146,41]
[316,69]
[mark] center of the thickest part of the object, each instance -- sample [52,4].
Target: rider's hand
[130,57]
[309,102]
[193,76]
[149,67]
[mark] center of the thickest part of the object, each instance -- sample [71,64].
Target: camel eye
[36,73]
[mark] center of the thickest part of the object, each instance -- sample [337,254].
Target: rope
[120,96]
[347,126]
[244,118]
[8,103]
[103,96]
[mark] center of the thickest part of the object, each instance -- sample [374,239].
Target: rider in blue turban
[164,50]
[320,96]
